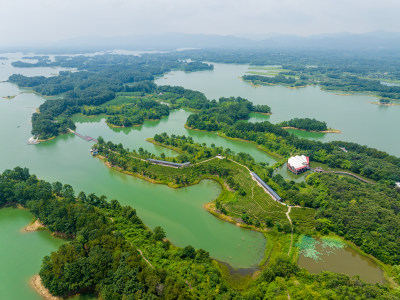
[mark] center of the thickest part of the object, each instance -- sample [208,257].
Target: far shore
[385,104]
[9,97]
[323,131]
[261,113]
[37,285]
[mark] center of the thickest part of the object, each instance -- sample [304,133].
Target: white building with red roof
[298,164]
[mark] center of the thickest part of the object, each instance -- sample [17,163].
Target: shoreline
[315,131]
[262,113]
[36,283]
[9,97]
[386,269]
[385,104]
[35,226]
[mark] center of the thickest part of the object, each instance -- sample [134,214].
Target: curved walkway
[141,253]
[320,170]
[291,225]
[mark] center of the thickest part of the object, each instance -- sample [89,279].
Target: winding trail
[239,164]
[344,173]
[141,253]
[291,225]
[204,161]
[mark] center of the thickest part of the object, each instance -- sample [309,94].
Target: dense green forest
[306,124]
[101,78]
[103,257]
[126,110]
[225,113]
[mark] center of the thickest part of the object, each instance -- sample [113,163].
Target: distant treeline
[278,79]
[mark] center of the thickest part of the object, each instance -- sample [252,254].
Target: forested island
[110,244]
[307,124]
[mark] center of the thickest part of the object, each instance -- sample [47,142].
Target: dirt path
[141,253]
[291,225]
[204,161]
[239,164]
[347,173]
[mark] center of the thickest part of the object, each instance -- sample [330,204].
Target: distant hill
[340,41]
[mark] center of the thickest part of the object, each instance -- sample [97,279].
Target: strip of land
[37,285]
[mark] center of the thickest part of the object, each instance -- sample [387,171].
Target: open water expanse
[179,211]
[359,120]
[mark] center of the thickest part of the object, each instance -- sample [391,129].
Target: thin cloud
[41,21]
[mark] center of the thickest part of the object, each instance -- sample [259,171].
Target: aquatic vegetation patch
[307,247]
[332,242]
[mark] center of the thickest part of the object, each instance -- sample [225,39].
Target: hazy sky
[24,21]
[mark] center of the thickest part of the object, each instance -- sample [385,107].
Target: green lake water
[21,254]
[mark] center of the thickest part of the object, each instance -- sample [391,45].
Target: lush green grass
[127,98]
[256,203]
[303,219]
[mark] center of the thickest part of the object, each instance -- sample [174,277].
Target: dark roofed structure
[266,186]
[168,163]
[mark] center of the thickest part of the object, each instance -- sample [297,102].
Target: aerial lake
[67,159]
[179,211]
[359,120]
